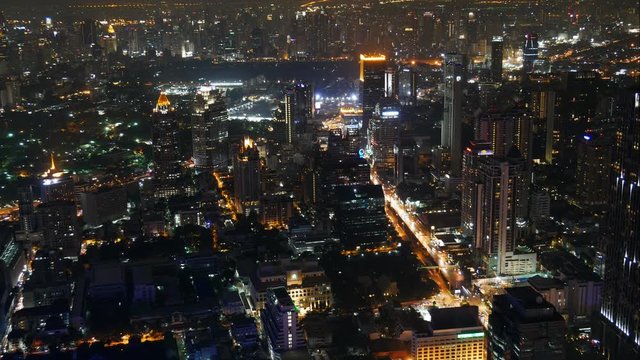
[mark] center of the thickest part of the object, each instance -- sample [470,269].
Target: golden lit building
[453,333]
[305,281]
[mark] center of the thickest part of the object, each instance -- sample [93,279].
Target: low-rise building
[452,333]
[305,281]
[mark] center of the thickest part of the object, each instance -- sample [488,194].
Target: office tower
[318,33]
[110,41]
[390,82]
[384,133]
[103,205]
[360,216]
[372,75]
[497,50]
[280,323]
[210,131]
[26,210]
[451,333]
[523,325]
[451,137]
[472,188]
[592,171]
[578,100]
[498,217]
[406,160]
[542,103]
[56,185]
[89,32]
[621,338]
[289,107]
[427,30]
[246,177]
[135,43]
[530,51]
[167,169]
[407,87]
[304,108]
[59,224]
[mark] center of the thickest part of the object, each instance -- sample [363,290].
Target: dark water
[320,73]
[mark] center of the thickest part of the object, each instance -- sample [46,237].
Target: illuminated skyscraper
[384,133]
[497,213]
[210,131]
[59,224]
[372,74]
[407,91]
[497,49]
[304,106]
[166,156]
[110,41]
[289,105]
[451,137]
[247,178]
[26,210]
[505,129]
[621,295]
[472,188]
[530,51]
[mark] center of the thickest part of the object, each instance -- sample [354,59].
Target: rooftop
[455,318]
[541,283]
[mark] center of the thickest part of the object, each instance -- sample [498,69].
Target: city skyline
[326,180]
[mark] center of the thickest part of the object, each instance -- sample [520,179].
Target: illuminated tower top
[378,58]
[163,105]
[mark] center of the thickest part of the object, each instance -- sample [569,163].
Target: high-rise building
[289,105]
[530,51]
[497,52]
[26,209]
[210,131]
[407,86]
[592,171]
[497,215]
[109,40]
[59,224]
[103,205]
[304,106]
[280,323]
[360,215]
[406,162]
[472,188]
[372,75]
[89,32]
[504,130]
[166,156]
[621,338]
[452,333]
[384,133]
[451,137]
[523,325]
[247,178]
[542,103]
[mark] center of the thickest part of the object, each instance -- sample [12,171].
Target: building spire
[53,162]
